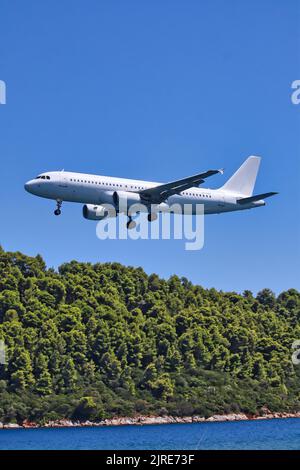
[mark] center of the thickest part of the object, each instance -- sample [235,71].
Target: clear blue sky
[154,90]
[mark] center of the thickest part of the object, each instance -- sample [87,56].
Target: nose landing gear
[58,206]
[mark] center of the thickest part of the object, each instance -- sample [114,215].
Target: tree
[20,368]
[266,297]
[69,375]
[88,341]
[87,409]
[43,384]
[162,387]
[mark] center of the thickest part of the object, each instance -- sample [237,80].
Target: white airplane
[97,192]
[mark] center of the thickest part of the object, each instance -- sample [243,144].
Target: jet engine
[91,212]
[123,200]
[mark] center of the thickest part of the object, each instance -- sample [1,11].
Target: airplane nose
[28,186]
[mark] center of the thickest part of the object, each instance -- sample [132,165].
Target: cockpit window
[43,177]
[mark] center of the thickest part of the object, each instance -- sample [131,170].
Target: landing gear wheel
[130,224]
[58,206]
[151,217]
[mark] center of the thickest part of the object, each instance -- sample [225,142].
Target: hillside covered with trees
[103,340]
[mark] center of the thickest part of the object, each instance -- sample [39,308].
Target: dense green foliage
[93,341]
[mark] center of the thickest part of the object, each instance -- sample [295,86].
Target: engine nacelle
[92,212]
[123,200]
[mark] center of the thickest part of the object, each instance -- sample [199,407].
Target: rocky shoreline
[148,420]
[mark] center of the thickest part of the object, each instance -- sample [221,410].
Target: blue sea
[269,434]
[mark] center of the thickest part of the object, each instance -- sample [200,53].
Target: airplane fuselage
[97,190]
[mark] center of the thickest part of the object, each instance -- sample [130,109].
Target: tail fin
[244,178]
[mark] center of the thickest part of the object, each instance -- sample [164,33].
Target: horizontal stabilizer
[258,197]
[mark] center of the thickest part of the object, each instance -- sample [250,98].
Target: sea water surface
[262,434]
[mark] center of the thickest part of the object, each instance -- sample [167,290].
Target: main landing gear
[151,216]
[131,223]
[58,206]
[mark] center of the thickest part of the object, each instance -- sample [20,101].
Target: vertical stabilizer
[243,180]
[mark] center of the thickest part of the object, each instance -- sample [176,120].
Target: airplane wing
[160,193]
[258,197]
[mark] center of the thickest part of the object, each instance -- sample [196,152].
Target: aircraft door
[63,182]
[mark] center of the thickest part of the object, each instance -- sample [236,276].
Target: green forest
[93,341]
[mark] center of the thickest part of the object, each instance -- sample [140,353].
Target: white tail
[243,180]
